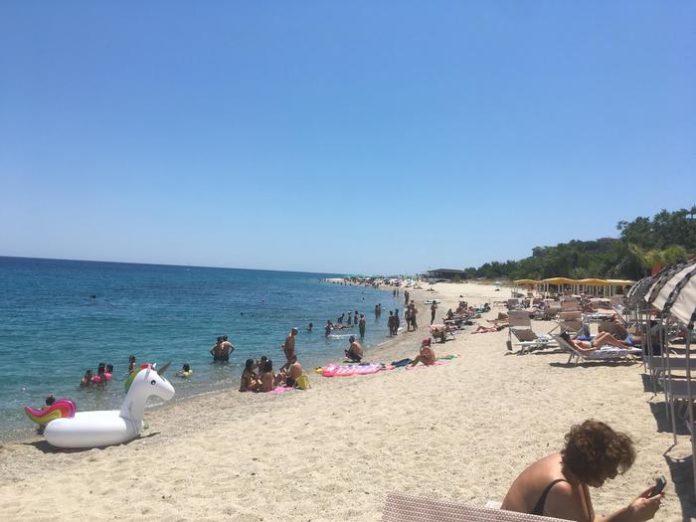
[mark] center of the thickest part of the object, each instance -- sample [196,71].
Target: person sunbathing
[249,381]
[488,329]
[558,485]
[600,340]
[426,354]
[267,378]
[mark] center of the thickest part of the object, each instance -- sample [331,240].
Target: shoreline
[29,435]
[460,431]
[27,431]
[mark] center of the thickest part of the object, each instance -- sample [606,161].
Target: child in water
[185,371]
[50,399]
[86,379]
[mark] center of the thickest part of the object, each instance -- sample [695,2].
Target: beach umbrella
[674,293]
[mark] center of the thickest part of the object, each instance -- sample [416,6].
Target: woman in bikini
[426,354]
[249,381]
[602,339]
[558,485]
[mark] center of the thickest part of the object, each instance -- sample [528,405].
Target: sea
[59,318]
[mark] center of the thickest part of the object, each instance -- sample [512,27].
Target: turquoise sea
[58,318]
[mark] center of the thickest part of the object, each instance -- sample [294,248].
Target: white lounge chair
[520,326]
[603,353]
[407,508]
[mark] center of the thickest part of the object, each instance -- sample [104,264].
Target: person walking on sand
[289,349]
[433,308]
[406,296]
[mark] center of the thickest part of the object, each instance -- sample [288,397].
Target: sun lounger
[603,353]
[520,326]
[407,508]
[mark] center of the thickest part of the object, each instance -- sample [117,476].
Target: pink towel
[281,389]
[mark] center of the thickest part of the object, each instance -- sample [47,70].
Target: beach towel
[281,389]
[436,363]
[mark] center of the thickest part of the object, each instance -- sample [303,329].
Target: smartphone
[660,484]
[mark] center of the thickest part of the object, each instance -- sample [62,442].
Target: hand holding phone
[660,484]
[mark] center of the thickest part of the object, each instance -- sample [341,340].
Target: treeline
[644,245]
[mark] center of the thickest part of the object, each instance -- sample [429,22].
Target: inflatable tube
[345,371]
[184,375]
[330,370]
[368,369]
[93,429]
[59,409]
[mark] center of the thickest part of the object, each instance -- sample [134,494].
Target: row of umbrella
[672,293]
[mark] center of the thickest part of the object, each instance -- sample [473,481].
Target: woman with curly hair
[558,484]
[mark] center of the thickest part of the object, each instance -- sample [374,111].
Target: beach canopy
[526,282]
[620,282]
[559,281]
[674,292]
[593,282]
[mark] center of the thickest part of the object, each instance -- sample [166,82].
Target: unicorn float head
[90,429]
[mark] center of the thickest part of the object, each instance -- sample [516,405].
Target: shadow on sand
[592,364]
[681,475]
[664,425]
[45,447]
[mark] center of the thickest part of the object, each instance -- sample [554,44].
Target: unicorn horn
[160,371]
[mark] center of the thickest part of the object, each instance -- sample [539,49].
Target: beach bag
[302,382]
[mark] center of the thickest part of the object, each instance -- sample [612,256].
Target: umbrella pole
[689,332]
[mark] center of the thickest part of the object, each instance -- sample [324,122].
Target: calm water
[58,318]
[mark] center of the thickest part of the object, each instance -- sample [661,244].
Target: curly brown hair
[595,452]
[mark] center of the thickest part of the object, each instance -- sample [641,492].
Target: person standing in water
[361,325]
[289,349]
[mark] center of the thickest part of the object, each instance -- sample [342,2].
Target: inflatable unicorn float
[91,429]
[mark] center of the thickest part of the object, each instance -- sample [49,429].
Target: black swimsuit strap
[539,506]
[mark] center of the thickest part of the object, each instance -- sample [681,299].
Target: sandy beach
[460,431]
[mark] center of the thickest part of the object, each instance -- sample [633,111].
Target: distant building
[443,274]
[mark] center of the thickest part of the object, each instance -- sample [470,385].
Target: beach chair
[603,353]
[520,326]
[407,508]
[551,309]
[571,322]
[570,305]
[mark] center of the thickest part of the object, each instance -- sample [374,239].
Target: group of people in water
[103,375]
[353,320]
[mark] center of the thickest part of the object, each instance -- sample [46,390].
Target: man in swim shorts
[219,353]
[355,351]
[289,349]
[293,373]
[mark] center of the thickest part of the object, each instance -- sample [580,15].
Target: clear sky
[353,136]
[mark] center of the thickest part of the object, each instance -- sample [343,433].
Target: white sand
[460,431]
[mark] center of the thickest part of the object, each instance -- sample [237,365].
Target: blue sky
[354,136]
